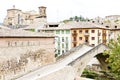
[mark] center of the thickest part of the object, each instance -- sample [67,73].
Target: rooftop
[22,33]
[88,25]
[72,25]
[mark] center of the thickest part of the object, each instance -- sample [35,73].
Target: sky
[58,10]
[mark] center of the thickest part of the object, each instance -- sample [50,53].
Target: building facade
[90,34]
[23,52]
[72,34]
[62,34]
[114,34]
[62,41]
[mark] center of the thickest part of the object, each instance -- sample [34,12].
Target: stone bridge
[69,65]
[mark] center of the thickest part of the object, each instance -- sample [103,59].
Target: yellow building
[89,33]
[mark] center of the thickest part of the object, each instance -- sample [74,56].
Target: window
[93,31]
[58,39]
[62,51]
[58,51]
[93,38]
[80,38]
[74,45]
[57,32]
[62,31]
[67,50]
[66,45]
[93,44]
[62,39]
[86,31]
[86,41]
[18,18]
[62,45]
[8,43]
[66,39]
[58,45]
[15,43]
[80,31]
[74,39]
[67,31]
[74,31]
[38,30]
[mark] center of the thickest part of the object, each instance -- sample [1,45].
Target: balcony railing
[74,34]
[86,34]
[74,41]
[104,34]
[99,34]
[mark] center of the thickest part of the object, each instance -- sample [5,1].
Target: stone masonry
[21,55]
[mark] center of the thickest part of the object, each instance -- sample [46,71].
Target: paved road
[56,66]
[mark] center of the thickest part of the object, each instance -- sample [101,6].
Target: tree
[114,58]
[81,18]
[71,19]
[76,18]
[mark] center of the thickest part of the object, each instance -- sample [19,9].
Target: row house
[72,34]
[89,33]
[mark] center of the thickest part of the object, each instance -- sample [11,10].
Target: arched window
[18,18]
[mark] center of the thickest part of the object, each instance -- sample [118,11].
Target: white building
[62,34]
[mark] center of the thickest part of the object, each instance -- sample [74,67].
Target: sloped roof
[22,33]
[72,25]
[4,27]
[87,25]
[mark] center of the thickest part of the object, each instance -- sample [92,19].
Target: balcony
[99,34]
[86,42]
[74,41]
[74,34]
[86,34]
[104,34]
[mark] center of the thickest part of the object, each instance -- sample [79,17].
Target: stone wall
[66,73]
[21,55]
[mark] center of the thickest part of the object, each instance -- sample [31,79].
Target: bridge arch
[80,63]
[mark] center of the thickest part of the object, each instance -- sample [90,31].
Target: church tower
[42,12]
[42,18]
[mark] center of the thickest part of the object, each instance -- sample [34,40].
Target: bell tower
[42,12]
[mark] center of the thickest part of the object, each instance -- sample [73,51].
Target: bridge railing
[70,52]
[88,52]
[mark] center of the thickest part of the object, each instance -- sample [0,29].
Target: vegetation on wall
[114,58]
[101,75]
[89,74]
[32,30]
[15,65]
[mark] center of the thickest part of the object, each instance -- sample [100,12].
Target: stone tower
[13,17]
[42,12]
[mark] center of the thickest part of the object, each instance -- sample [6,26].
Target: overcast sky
[57,10]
